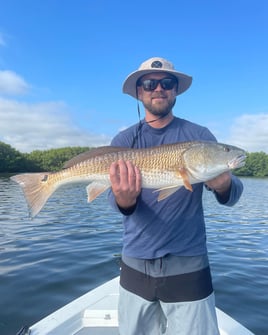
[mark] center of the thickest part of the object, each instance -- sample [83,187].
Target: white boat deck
[95,313]
[98,331]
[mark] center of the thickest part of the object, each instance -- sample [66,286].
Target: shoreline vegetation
[13,161]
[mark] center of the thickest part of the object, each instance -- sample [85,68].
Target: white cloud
[42,126]
[250,131]
[12,84]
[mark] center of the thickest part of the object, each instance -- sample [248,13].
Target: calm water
[72,247]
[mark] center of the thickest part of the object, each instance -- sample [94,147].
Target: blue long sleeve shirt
[175,225]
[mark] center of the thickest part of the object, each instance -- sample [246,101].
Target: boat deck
[95,313]
[98,331]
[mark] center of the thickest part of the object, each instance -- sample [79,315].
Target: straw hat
[156,64]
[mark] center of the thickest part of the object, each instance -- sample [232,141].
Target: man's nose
[158,87]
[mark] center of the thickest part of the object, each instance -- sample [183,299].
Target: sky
[63,63]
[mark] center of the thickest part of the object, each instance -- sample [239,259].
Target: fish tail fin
[36,190]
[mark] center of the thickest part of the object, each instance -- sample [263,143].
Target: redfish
[164,168]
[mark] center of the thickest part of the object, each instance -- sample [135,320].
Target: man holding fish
[156,171]
[165,281]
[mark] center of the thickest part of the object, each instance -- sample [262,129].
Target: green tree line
[13,161]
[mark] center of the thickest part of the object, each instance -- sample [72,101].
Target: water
[72,247]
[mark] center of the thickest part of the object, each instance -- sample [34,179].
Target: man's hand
[126,183]
[221,184]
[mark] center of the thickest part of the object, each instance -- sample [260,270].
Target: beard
[162,109]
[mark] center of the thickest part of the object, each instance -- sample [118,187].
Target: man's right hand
[126,183]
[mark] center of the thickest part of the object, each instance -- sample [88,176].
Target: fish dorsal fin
[93,153]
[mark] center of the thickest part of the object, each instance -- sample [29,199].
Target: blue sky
[62,65]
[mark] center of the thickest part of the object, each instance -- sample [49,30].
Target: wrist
[127,210]
[221,193]
[219,188]
[125,203]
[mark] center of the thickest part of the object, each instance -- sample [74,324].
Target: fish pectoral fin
[95,189]
[166,192]
[183,174]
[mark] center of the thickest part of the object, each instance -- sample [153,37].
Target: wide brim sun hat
[152,65]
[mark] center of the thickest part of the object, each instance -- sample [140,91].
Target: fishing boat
[95,313]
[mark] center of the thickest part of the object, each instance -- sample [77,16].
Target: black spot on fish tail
[44,178]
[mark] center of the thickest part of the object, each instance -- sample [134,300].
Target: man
[165,281]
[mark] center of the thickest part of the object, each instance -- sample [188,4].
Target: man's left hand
[220,184]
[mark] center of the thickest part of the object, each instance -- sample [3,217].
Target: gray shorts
[138,316]
[171,295]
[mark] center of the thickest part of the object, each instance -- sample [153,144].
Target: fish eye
[226,149]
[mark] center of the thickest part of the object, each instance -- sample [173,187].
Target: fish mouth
[237,162]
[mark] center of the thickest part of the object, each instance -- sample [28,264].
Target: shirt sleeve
[234,194]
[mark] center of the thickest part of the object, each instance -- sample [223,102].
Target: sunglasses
[151,84]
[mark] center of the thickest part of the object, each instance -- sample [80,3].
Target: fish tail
[36,190]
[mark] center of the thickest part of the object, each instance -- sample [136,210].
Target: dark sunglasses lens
[149,84]
[167,83]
